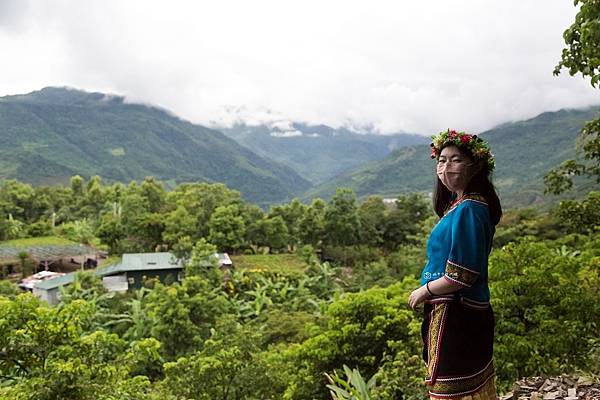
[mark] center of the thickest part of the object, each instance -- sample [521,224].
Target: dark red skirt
[458,337]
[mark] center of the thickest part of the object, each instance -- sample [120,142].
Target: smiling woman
[458,327]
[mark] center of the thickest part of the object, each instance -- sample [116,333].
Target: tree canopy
[581,56]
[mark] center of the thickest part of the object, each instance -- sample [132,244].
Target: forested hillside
[524,153]
[319,152]
[56,133]
[50,135]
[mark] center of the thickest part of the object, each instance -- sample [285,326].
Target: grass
[32,146]
[37,241]
[110,261]
[117,152]
[284,263]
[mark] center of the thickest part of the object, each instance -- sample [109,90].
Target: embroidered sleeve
[470,245]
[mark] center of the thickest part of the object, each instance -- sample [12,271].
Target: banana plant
[353,388]
[261,299]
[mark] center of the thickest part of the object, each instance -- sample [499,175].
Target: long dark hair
[480,184]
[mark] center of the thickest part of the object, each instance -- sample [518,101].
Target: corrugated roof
[150,261]
[129,262]
[30,281]
[109,270]
[53,283]
[45,252]
[224,259]
[67,279]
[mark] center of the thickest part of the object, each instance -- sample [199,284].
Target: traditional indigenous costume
[458,328]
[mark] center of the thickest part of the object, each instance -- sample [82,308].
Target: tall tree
[111,231]
[16,198]
[312,223]
[201,200]
[154,193]
[77,185]
[291,214]
[341,218]
[276,233]
[144,228]
[581,56]
[179,223]
[372,220]
[402,222]
[226,228]
[94,198]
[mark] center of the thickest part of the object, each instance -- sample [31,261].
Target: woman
[458,327]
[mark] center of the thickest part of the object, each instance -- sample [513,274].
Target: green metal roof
[56,282]
[149,261]
[109,270]
[129,262]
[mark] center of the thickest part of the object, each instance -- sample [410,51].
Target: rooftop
[130,262]
[42,249]
[152,261]
[42,276]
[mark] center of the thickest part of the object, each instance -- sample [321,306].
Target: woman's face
[455,169]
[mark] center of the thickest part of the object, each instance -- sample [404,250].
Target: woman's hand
[417,297]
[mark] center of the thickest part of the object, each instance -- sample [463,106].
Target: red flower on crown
[479,148]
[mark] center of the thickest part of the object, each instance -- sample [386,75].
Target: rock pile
[564,387]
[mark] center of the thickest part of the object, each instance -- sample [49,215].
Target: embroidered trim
[449,387]
[440,299]
[456,378]
[477,198]
[460,274]
[479,305]
[446,277]
[435,333]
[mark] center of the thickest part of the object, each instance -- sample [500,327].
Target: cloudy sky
[418,66]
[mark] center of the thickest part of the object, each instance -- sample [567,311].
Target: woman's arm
[437,287]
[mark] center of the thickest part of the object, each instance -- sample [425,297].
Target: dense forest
[277,330]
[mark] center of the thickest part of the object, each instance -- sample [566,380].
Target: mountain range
[318,152]
[51,134]
[524,152]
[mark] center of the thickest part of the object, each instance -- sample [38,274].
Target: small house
[49,289]
[29,282]
[129,274]
[137,267]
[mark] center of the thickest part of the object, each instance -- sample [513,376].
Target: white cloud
[281,125]
[389,66]
[286,134]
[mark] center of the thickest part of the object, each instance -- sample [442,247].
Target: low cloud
[286,134]
[413,67]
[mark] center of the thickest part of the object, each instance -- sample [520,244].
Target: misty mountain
[524,152]
[318,152]
[49,135]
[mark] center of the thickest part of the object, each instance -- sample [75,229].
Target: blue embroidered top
[459,246]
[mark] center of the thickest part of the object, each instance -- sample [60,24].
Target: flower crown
[478,147]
